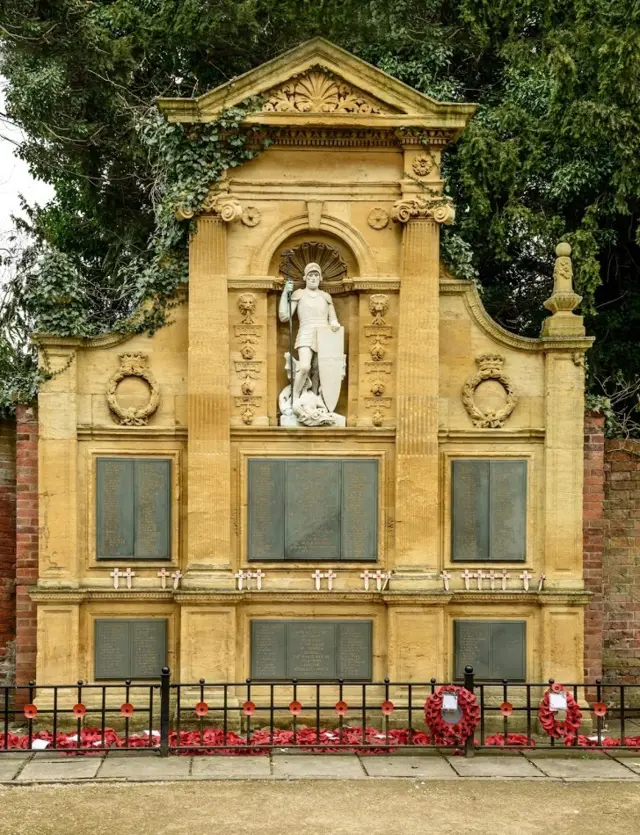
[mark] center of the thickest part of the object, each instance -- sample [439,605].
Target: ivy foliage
[553,152]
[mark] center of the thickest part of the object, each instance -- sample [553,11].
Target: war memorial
[331,463]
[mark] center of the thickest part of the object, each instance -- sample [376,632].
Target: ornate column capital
[223,204]
[439,209]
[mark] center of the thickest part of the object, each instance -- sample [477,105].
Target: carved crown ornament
[133,365]
[320,91]
[438,208]
[489,368]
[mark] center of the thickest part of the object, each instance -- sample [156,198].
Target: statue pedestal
[292,420]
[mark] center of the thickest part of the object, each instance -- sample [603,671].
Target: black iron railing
[255,717]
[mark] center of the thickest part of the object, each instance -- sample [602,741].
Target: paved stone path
[23,768]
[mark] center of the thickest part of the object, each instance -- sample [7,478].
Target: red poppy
[248,708]
[342,708]
[295,708]
[557,688]
[506,708]
[79,710]
[387,708]
[126,709]
[201,709]
[30,711]
[599,708]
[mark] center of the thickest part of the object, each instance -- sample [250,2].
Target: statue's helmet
[312,267]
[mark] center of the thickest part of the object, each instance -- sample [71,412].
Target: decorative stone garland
[133,365]
[489,368]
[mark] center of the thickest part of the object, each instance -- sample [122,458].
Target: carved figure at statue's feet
[320,368]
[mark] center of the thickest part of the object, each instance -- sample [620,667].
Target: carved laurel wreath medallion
[133,365]
[489,368]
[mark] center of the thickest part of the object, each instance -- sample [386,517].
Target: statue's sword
[287,256]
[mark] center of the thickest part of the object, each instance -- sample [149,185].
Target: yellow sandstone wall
[218,406]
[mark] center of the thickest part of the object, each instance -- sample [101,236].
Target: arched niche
[340,266]
[346,238]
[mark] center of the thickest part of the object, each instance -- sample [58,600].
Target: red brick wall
[594,540]
[621,567]
[7,532]
[26,540]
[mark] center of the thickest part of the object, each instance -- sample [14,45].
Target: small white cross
[387,577]
[163,574]
[259,574]
[330,575]
[176,576]
[115,574]
[317,576]
[492,576]
[466,576]
[480,575]
[128,574]
[445,579]
[543,577]
[379,577]
[241,576]
[525,577]
[366,575]
[505,577]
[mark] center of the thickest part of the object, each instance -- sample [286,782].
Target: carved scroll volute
[377,351]
[248,349]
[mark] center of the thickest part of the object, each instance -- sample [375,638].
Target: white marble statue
[319,370]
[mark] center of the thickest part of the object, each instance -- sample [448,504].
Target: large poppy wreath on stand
[443,732]
[566,729]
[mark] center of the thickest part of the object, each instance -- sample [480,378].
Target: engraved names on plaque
[496,649]
[130,648]
[312,509]
[266,509]
[114,508]
[133,508]
[312,529]
[152,483]
[311,649]
[488,510]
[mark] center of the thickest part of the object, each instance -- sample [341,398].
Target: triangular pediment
[318,83]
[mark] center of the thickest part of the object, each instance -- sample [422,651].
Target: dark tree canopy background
[553,152]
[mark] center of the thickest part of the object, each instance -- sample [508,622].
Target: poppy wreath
[442,732]
[573,719]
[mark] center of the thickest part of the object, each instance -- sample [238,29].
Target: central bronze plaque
[312,509]
[312,650]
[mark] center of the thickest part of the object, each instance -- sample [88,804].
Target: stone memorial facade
[331,463]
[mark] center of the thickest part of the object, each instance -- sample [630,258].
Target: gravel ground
[381,807]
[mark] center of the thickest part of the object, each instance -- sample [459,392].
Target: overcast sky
[14,175]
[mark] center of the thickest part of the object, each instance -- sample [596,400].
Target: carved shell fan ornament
[319,91]
[334,270]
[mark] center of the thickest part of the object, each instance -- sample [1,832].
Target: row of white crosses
[248,576]
[128,574]
[492,577]
[381,579]
[244,579]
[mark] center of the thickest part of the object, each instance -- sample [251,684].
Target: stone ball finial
[563,250]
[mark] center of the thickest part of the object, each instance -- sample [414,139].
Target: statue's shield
[331,364]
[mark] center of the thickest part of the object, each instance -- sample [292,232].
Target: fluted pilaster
[209,498]
[417,400]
